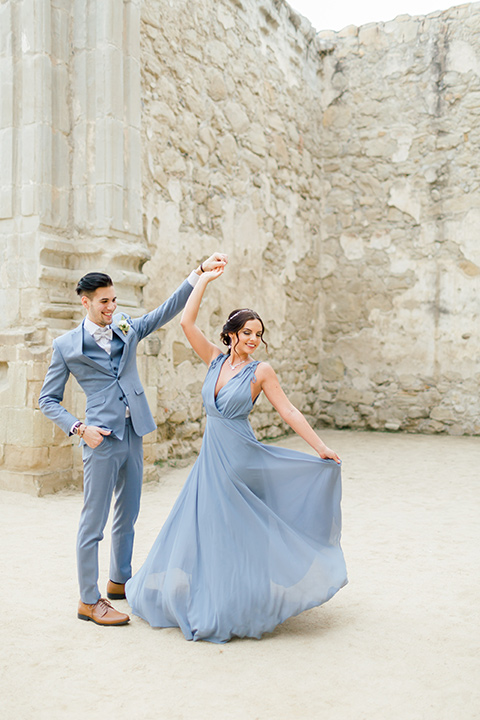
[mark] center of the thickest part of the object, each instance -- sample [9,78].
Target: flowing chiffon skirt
[254,536]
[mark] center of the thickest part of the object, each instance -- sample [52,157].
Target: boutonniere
[123,325]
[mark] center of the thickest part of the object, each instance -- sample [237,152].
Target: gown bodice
[234,399]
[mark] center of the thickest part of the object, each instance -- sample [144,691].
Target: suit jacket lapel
[126,338]
[119,333]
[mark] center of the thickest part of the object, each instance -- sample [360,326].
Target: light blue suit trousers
[115,467]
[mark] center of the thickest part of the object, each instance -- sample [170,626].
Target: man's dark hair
[91,282]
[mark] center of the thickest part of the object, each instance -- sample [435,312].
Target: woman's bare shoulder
[264,370]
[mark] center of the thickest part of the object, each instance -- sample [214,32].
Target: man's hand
[210,275]
[215,261]
[93,435]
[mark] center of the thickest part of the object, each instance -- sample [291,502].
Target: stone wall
[400,224]
[231,161]
[151,131]
[337,170]
[70,201]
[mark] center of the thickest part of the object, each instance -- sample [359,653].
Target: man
[101,354]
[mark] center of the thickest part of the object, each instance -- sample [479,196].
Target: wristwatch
[76,426]
[77,430]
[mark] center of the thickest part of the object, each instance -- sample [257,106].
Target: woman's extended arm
[205,349]
[271,387]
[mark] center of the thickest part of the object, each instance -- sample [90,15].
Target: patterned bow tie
[103,333]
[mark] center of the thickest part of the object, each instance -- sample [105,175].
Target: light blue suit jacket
[107,392]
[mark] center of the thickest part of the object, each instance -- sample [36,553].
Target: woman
[254,536]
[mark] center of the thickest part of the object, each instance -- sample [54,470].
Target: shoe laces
[104,605]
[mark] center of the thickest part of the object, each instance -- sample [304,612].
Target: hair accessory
[201,267]
[237,313]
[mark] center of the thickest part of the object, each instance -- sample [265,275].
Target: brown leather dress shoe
[115,591]
[101,613]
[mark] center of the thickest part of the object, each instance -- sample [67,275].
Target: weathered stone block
[237,117]
[216,87]
[17,459]
[152,345]
[332,369]
[217,53]
[228,150]
[173,162]
[162,112]
[182,353]
[352,396]
[444,414]
[60,458]
[178,417]
[207,136]
[255,140]
[342,414]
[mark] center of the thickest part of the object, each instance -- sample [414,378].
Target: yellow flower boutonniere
[123,325]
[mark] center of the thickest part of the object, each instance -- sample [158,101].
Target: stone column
[70,202]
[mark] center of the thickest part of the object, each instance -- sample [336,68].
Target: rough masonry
[338,170]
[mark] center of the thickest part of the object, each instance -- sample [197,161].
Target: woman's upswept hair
[235,322]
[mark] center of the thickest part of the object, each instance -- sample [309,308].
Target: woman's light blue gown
[254,536]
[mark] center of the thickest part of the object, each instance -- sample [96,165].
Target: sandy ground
[400,641]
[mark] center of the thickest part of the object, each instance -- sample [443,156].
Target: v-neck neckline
[216,394]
